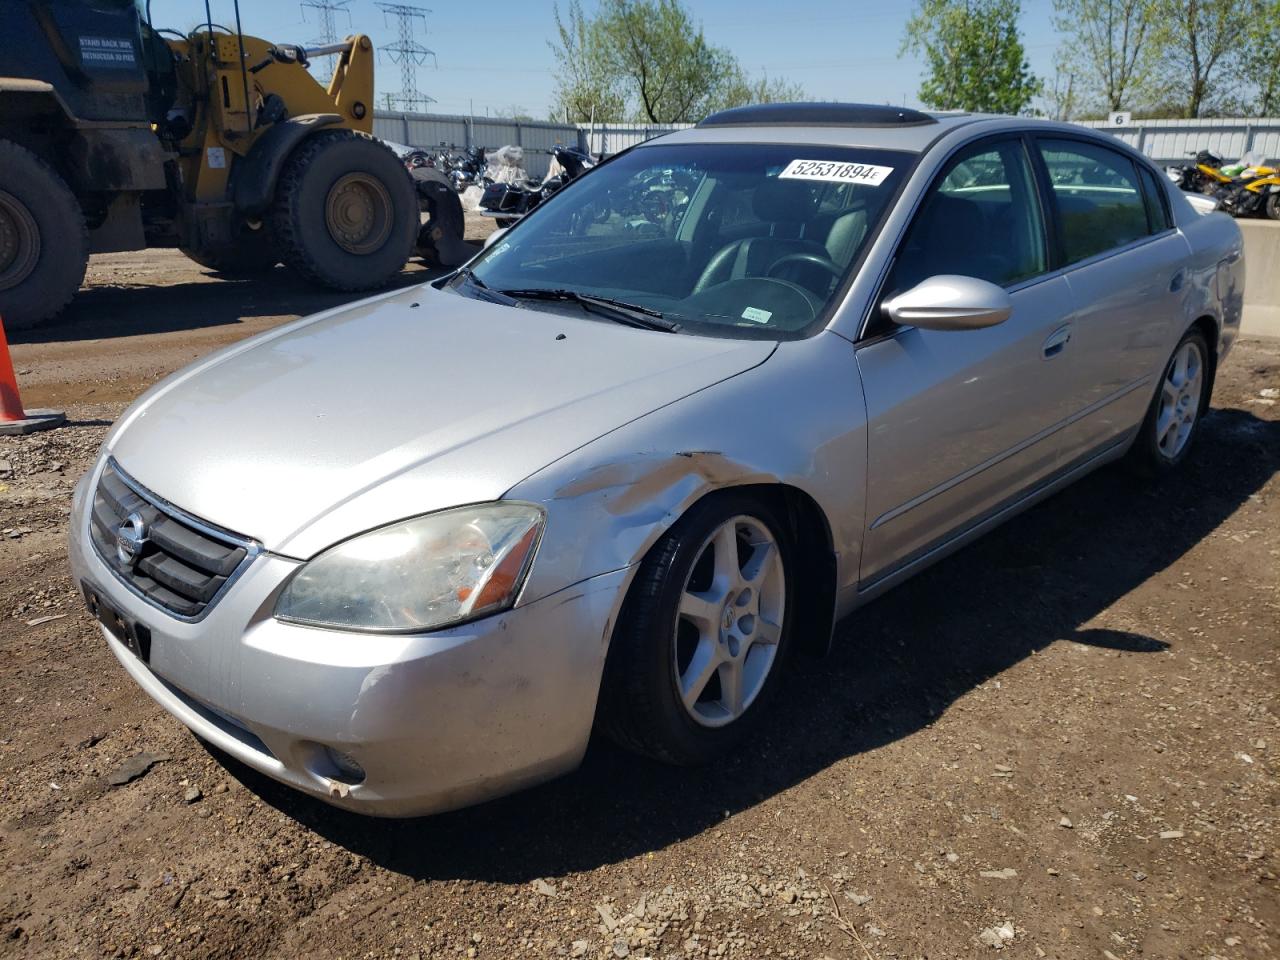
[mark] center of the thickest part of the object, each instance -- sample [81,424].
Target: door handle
[1056,342]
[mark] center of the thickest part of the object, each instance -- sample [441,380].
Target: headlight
[420,574]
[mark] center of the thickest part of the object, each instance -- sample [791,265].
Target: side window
[981,219]
[1157,201]
[1099,200]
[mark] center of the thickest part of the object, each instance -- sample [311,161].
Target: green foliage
[587,87]
[973,54]
[1200,43]
[1260,57]
[648,59]
[1111,50]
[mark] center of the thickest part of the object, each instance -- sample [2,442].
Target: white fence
[1171,141]
[1165,141]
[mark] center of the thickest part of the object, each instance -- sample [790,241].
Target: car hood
[396,406]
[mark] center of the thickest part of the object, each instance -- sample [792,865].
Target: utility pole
[326,12]
[408,53]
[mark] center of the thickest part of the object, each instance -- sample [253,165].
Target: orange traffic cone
[13,419]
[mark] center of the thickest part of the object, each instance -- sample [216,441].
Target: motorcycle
[467,170]
[508,202]
[1204,176]
[1254,195]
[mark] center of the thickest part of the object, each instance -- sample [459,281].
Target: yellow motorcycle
[1204,176]
[1255,195]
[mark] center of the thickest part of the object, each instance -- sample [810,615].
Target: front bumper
[437,721]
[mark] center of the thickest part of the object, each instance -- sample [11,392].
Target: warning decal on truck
[107,52]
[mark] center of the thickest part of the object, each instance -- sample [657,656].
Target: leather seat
[787,205]
[845,236]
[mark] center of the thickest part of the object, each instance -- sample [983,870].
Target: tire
[656,647]
[251,255]
[1173,418]
[44,244]
[1272,206]
[345,213]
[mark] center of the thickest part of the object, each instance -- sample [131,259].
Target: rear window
[1157,201]
[1099,198]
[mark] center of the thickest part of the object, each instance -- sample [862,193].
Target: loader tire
[252,254]
[345,213]
[44,244]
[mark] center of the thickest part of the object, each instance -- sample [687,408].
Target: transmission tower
[408,53]
[326,12]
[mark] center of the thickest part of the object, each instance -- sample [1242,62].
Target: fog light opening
[340,766]
[348,771]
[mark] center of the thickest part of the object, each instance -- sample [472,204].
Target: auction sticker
[835,171]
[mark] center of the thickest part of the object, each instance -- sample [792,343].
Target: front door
[961,423]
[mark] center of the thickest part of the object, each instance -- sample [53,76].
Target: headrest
[784,201]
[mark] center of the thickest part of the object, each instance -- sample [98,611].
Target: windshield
[737,240]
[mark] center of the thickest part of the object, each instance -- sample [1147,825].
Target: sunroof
[818,115]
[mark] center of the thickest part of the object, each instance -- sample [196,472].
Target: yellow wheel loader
[116,136]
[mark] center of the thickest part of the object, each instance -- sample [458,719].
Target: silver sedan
[648,445]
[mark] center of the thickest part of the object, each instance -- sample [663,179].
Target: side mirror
[949,302]
[494,237]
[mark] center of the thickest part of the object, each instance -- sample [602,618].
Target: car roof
[849,125]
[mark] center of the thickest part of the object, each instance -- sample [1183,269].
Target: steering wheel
[826,263]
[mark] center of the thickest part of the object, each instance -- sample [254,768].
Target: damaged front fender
[777,424]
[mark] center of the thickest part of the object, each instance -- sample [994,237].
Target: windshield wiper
[632,314]
[487,292]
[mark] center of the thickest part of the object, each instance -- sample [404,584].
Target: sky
[493,58]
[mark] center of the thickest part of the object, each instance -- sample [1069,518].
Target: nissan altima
[647,446]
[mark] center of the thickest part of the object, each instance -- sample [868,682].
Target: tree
[587,86]
[973,54]
[649,58]
[1111,46]
[1062,97]
[742,90]
[1260,56]
[1200,41]
[668,62]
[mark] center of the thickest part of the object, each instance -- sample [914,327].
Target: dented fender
[609,501]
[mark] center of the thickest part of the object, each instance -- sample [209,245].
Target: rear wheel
[345,214]
[1173,418]
[703,634]
[44,245]
[1272,206]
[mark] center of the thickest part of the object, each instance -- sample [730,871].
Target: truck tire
[345,214]
[250,255]
[44,244]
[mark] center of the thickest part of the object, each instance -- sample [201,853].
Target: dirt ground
[1063,742]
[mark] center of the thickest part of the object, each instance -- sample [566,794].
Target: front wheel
[1175,413]
[1272,207]
[703,634]
[345,213]
[44,245]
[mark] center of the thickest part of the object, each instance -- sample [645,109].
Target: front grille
[176,562]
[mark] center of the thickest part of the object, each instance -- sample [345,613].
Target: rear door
[1125,267]
[963,423]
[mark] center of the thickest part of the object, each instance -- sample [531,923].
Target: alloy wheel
[729,622]
[1179,400]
